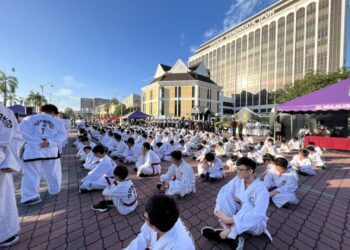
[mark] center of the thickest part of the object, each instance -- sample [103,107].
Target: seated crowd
[241,204]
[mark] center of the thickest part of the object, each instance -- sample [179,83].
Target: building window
[193,91]
[162,108]
[151,109]
[179,108]
[175,92]
[179,92]
[207,93]
[175,106]
[192,103]
[162,92]
[218,96]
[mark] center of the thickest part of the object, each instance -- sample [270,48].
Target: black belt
[130,204]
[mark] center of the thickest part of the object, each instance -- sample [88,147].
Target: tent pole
[291,126]
[274,127]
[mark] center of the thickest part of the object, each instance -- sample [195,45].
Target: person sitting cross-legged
[163,229]
[95,178]
[180,179]
[149,163]
[120,193]
[241,206]
[211,168]
[282,183]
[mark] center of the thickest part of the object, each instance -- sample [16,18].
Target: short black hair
[176,155]
[268,157]
[84,138]
[131,141]
[311,148]
[249,163]
[117,136]
[146,145]
[210,157]
[162,211]
[49,108]
[270,140]
[304,152]
[281,162]
[121,171]
[182,141]
[159,144]
[99,149]
[87,147]
[234,157]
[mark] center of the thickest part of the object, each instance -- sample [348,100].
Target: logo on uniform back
[6,121]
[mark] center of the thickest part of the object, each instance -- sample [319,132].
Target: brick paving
[66,221]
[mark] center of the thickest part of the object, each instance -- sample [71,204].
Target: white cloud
[193,48]
[63,92]
[239,11]
[70,82]
[182,39]
[210,33]
[64,97]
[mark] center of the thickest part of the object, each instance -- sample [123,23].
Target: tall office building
[86,105]
[274,48]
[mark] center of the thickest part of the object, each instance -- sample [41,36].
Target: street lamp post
[43,86]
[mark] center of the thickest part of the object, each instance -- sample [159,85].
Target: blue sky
[106,48]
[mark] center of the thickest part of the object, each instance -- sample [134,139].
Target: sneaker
[10,241]
[31,202]
[159,186]
[211,233]
[202,176]
[135,169]
[84,190]
[101,206]
[240,244]
[110,204]
[287,206]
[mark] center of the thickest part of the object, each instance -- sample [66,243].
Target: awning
[334,97]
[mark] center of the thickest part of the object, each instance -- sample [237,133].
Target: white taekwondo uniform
[124,196]
[178,237]
[249,214]
[148,164]
[181,179]
[285,184]
[41,161]
[95,178]
[10,143]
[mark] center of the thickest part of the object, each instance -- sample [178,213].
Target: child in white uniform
[120,193]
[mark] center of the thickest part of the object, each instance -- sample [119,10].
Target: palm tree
[7,83]
[36,99]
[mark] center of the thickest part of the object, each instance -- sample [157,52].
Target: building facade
[179,91]
[86,105]
[100,101]
[274,48]
[132,100]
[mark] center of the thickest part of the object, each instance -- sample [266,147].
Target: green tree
[7,83]
[69,112]
[114,101]
[36,99]
[120,109]
[311,82]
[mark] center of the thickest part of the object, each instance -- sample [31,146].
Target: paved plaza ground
[66,221]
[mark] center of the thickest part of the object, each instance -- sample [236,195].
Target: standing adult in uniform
[44,135]
[10,143]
